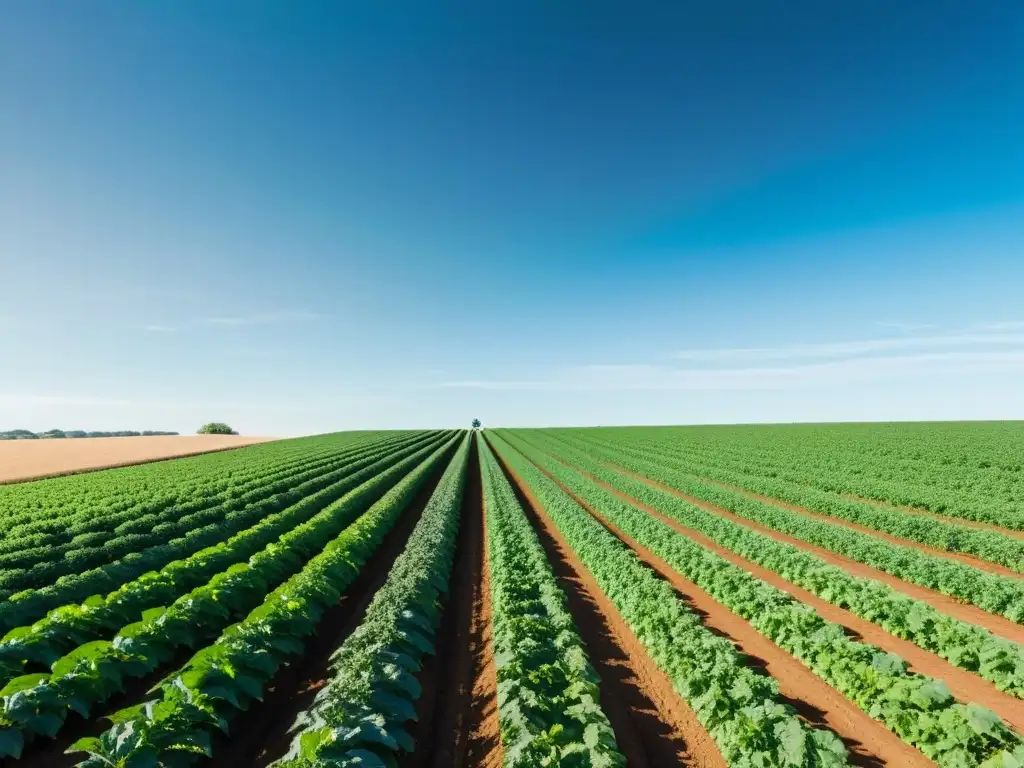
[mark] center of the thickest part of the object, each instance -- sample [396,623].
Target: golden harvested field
[32,459]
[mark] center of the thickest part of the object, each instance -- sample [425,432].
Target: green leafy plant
[40,644]
[199,522]
[92,672]
[736,705]
[227,675]
[919,709]
[548,696]
[360,715]
[965,645]
[1003,595]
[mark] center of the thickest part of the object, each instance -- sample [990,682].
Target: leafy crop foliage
[942,534]
[37,704]
[359,717]
[991,592]
[968,471]
[917,708]
[547,691]
[248,497]
[738,706]
[965,645]
[176,727]
[230,562]
[63,629]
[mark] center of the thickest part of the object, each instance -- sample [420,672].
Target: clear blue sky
[317,216]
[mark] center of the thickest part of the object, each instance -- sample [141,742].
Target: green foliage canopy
[216,428]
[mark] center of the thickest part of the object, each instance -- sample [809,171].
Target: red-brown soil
[965,686]
[820,705]
[34,459]
[653,726]
[458,711]
[975,562]
[998,625]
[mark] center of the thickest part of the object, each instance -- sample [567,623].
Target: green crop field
[755,596]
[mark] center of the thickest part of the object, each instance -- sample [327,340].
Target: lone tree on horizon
[215,428]
[476,423]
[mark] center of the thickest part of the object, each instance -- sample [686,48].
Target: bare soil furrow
[458,712]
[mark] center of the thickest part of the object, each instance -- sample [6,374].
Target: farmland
[32,459]
[813,595]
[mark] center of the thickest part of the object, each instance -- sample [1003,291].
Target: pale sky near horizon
[340,217]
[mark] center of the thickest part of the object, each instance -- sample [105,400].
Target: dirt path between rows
[920,512]
[457,723]
[260,735]
[965,686]
[998,625]
[869,743]
[653,726]
[971,560]
[24,460]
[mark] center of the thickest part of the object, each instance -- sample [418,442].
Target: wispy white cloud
[1003,325]
[850,348]
[263,318]
[831,373]
[996,348]
[902,327]
[154,328]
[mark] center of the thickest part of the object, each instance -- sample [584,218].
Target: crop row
[994,593]
[919,709]
[142,509]
[971,495]
[969,486]
[190,705]
[64,628]
[548,698]
[138,508]
[737,706]
[360,715]
[965,645]
[109,537]
[29,605]
[36,506]
[940,534]
[38,704]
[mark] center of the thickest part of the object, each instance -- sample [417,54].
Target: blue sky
[346,216]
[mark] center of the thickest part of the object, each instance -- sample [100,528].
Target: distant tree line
[60,434]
